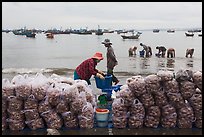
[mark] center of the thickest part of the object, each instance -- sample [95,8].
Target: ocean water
[66,51]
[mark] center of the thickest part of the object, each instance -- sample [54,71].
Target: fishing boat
[133,36]
[171,31]
[50,35]
[189,34]
[31,35]
[99,31]
[156,30]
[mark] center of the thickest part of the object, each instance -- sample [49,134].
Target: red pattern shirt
[86,69]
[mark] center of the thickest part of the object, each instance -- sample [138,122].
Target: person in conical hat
[111,60]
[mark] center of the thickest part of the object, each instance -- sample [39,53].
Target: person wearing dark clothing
[147,49]
[88,68]
[171,52]
[162,51]
[111,60]
[189,52]
[132,51]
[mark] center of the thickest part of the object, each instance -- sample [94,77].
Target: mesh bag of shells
[78,103]
[70,120]
[137,86]
[147,100]
[86,118]
[22,86]
[31,102]
[137,114]
[168,116]
[160,98]
[52,119]
[119,116]
[196,103]
[185,116]
[35,124]
[15,103]
[183,75]
[152,118]
[127,95]
[165,75]
[7,88]
[15,125]
[152,83]
[119,108]
[187,89]
[197,79]
[171,86]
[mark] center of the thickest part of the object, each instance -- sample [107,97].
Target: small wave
[26,70]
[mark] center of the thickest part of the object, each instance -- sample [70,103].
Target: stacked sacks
[152,118]
[168,116]
[38,102]
[169,94]
[7,90]
[119,116]
[196,103]
[137,114]
[197,79]
[185,117]
[15,105]
[86,117]
[126,95]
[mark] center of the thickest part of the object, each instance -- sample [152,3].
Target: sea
[66,51]
[62,54]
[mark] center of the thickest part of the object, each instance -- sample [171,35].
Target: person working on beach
[189,52]
[132,51]
[147,49]
[162,51]
[88,68]
[171,52]
[111,60]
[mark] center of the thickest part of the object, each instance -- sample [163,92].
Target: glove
[100,76]
[101,72]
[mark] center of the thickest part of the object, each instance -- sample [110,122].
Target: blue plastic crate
[104,84]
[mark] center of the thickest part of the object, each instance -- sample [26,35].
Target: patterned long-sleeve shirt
[111,58]
[86,69]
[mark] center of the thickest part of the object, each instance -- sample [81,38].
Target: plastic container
[102,117]
[102,123]
[106,83]
[141,53]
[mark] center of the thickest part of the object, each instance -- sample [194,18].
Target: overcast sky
[113,15]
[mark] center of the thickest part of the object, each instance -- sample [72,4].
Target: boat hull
[130,37]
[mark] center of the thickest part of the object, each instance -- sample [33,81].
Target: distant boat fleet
[135,34]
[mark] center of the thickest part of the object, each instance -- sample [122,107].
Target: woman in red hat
[88,68]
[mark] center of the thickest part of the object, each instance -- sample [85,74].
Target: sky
[109,15]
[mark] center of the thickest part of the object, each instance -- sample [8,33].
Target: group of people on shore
[161,51]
